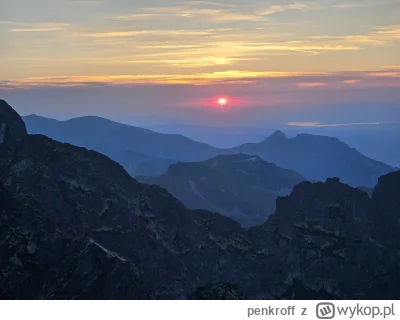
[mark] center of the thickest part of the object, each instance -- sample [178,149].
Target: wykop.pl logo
[325,310]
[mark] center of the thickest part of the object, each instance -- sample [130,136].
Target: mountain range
[318,158]
[240,186]
[140,151]
[75,225]
[375,140]
[145,152]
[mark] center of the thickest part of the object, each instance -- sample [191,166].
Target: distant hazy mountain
[317,158]
[145,152]
[240,186]
[374,141]
[138,164]
[377,145]
[140,151]
[219,137]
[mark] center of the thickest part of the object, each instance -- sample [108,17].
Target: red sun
[222,101]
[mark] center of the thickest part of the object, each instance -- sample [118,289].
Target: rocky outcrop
[218,291]
[5,135]
[10,118]
[75,225]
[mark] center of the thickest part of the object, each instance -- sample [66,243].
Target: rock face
[75,225]
[9,117]
[218,291]
[239,186]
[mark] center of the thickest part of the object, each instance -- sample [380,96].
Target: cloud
[297,6]
[36,27]
[179,43]
[361,4]
[270,83]
[216,12]
[159,60]
[204,14]
[197,78]
[195,63]
[380,35]
[387,32]
[391,67]
[311,84]
[317,124]
[386,74]
[125,34]
[351,81]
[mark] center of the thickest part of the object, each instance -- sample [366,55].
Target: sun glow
[222,101]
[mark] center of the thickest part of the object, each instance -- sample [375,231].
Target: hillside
[240,186]
[139,150]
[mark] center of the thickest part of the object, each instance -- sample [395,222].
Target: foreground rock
[75,225]
[10,118]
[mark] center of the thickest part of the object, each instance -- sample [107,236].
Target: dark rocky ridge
[9,117]
[218,291]
[74,224]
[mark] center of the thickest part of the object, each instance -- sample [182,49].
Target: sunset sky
[171,61]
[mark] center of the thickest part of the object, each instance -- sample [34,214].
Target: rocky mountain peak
[278,135]
[10,118]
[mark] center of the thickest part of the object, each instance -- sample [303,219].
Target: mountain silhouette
[240,186]
[318,158]
[10,118]
[75,225]
[139,150]
[145,152]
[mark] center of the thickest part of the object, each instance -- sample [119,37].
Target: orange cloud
[194,79]
[388,74]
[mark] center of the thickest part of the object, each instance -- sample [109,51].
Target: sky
[163,61]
